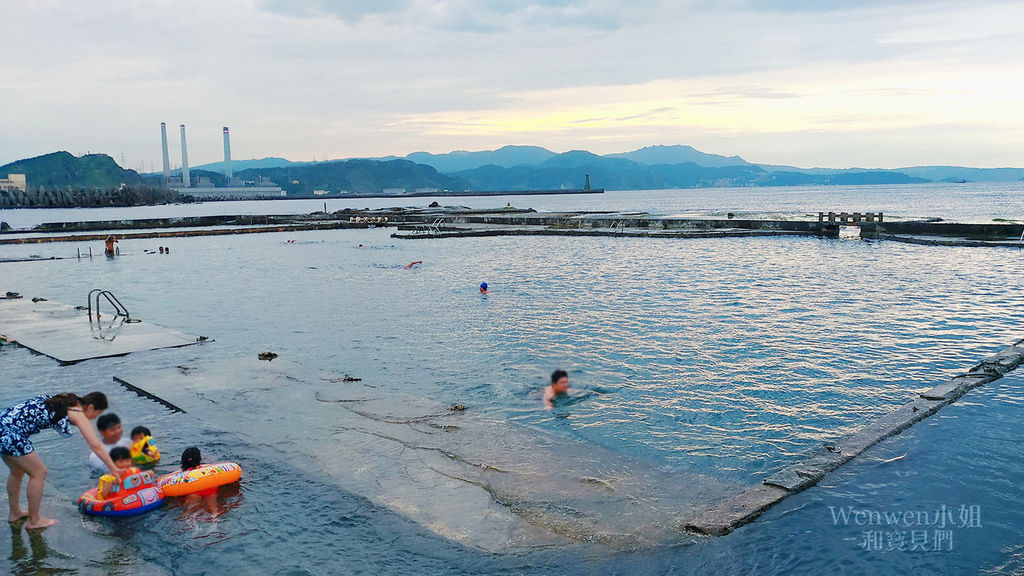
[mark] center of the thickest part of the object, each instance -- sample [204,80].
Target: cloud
[347,10]
[460,15]
[362,79]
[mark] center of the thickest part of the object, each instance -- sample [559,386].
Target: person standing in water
[26,418]
[559,387]
[109,242]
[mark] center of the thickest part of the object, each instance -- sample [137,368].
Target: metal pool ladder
[119,309]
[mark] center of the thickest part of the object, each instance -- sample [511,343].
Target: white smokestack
[167,160]
[186,180]
[227,155]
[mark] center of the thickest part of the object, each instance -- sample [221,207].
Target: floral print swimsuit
[22,420]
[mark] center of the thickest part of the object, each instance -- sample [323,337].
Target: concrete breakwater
[457,222]
[746,506]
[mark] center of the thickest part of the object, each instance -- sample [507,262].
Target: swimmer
[411,264]
[109,245]
[483,287]
[559,387]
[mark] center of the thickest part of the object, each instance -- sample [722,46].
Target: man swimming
[559,387]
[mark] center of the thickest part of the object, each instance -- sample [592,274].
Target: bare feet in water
[17,515]
[43,523]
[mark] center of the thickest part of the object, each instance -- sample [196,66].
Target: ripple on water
[726,356]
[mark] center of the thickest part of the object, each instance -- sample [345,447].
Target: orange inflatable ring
[134,494]
[198,479]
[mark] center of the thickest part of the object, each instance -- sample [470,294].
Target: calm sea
[727,358]
[971,202]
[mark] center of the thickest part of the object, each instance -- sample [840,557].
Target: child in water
[192,458]
[143,451]
[122,459]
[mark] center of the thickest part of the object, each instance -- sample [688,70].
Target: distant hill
[506,157]
[961,173]
[355,176]
[653,167]
[238,165]
[507,168]
[62,169]
[679,155]
[569,170]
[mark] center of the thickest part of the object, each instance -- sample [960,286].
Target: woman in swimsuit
[26,418]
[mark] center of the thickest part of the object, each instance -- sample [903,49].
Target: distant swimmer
[109,243]
[411,264]
[483,287]
[559,387]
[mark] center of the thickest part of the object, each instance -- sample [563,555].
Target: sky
[879,84]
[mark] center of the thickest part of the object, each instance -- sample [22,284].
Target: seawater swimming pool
[724,356]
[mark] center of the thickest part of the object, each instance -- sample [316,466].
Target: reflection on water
[31,559]
[199,515]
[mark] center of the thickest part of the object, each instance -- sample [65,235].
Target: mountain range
[508,168]
[548,169]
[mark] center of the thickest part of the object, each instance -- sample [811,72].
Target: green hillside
[356,176]
[62,169]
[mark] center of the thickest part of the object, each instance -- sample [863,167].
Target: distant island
[61,179]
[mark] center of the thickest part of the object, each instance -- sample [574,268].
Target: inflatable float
[144,451]
[133,494]
[199,479]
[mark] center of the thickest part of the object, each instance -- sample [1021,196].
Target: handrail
[119,308]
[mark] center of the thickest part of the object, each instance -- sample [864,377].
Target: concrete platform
[66,334]
[460,473]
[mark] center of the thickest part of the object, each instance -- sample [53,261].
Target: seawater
[974,202]
[729,357]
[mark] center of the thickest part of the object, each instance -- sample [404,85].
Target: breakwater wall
[616,220]
[751,503]
[451,222]
[185,233]
[993,231]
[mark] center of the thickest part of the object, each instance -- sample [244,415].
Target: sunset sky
[816,83]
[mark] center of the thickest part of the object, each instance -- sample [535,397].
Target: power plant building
[203,188]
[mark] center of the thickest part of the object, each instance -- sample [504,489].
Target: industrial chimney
[186,180]
[227,155]
[167,160]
